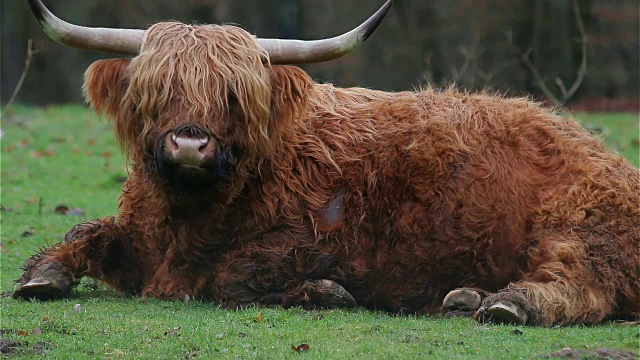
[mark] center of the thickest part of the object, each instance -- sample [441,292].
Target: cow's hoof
[504,311]
[51,282]
[333,295]
[461,301]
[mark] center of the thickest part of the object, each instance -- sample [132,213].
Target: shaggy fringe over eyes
[201,67]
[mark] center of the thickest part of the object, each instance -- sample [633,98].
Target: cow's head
[198,103]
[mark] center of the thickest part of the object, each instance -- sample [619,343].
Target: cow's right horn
[123,41]
[285,51]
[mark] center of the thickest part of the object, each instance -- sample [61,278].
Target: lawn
[66,155]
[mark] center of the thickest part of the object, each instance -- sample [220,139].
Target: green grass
[620,131]
[66,155]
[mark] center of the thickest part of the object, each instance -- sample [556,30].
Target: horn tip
[376,19]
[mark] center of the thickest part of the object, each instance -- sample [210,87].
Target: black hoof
[332,295]
[50,282]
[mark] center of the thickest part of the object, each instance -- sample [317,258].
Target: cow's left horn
[300,51]
[124,41]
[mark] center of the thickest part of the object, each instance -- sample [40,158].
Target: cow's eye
[232,99]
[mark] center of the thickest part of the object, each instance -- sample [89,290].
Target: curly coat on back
[396,198]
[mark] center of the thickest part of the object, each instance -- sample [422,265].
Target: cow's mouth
[189,149]
[192,160]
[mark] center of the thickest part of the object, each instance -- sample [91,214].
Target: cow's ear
[289,89]
[105,83]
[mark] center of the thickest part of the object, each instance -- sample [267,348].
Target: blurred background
[509,46]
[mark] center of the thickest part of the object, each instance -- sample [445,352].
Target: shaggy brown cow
[250,183]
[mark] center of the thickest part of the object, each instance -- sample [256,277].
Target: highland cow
[252,184]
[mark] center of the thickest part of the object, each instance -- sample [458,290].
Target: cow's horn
[124,41]
[301,51]
[129,41]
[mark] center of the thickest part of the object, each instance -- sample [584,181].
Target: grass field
[66,155]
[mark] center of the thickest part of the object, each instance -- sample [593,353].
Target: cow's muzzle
[188,150]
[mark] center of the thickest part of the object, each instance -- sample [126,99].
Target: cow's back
[445,188]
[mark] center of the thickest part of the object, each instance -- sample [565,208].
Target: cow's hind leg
[98,249]
[564,285]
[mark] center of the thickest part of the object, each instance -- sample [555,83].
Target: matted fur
[398,197]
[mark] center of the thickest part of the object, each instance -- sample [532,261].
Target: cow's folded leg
[263,273]
[321,293]
[171,282]
[97,249]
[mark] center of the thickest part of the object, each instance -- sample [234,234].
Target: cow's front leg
[98,249]
[274,271]
[180,275]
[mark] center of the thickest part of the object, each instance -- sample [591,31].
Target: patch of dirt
[600,353]
[10,348]
[41,347]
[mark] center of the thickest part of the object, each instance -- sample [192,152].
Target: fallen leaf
[61,209]
[259,318]
[45,319]
[300,348]
[23,333]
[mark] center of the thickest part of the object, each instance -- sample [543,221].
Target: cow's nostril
[203,147]
[170,142]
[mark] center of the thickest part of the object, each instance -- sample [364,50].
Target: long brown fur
[398,197]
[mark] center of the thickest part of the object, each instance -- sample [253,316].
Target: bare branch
[27,63]
[469,55]
[582,71]
[524,57]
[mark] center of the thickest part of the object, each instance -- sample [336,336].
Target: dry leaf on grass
[300,348]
